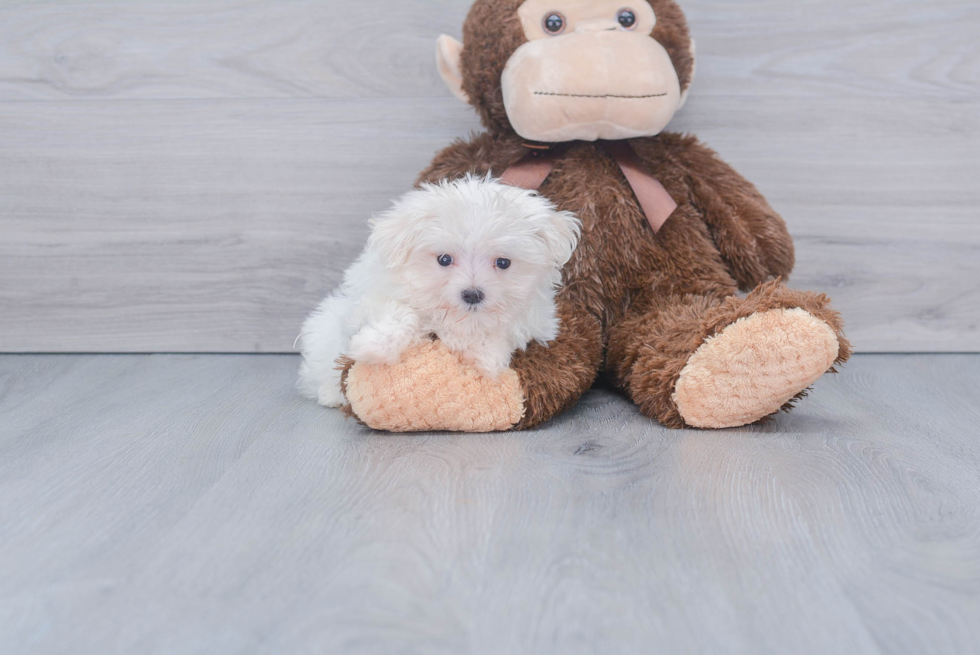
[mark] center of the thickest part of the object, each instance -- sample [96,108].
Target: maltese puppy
[472,261]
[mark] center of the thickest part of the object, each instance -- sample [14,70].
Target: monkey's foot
[754,367]
[431,389]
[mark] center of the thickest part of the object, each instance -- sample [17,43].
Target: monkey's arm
[750,235]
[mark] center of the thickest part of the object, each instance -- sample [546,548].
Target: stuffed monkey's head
[566,70]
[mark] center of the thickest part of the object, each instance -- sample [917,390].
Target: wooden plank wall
[194,176]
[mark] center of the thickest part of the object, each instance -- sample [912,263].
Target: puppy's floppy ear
[393,232]
[560,232]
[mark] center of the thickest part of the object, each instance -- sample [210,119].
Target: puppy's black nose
[473,296]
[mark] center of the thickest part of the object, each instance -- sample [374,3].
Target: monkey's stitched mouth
[603,95]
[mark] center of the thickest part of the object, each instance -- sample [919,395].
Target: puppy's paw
[492,367]
[330,395]
[492,361]
[373,346]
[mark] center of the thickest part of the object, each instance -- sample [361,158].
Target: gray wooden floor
[195,504]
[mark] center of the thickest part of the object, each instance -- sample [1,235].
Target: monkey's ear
[448,53]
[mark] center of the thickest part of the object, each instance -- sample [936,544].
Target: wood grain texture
[193,177]
[195,504]
[190,226]
[311,48]
[216,226]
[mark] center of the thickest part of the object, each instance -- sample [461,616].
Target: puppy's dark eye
[445,260]
[503,264]
[554,23]
[627,19]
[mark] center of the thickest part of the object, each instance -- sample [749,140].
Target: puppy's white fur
[397,293]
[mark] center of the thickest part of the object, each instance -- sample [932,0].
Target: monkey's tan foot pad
[431,389]
[754,367]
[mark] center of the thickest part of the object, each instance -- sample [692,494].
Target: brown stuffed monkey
[670,235]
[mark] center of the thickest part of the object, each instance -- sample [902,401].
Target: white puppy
[473,261]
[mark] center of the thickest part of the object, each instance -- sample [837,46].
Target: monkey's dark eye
[445,260]
[627,19]
[554,23]
[503,264]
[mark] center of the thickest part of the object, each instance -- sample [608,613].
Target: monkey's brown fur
[635,303]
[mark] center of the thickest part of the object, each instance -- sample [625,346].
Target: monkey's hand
[432,389]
